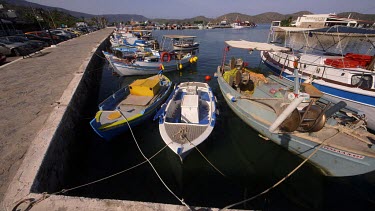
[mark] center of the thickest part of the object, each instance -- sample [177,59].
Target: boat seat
[114,115]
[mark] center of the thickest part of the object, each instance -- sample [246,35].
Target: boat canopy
[333,29]
[255,46]
[346,29]
[295,29]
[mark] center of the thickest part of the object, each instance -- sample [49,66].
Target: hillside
[267,17]
[231,17]
[186,20]
[124,17]
[26,4]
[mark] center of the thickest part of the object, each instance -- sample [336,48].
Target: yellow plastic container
[144,87]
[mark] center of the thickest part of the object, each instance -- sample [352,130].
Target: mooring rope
[213,166]
[182,132]
[99,56]
[33,202]
[283,179]
[152,166]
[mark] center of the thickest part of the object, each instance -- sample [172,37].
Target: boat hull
[146,68]
[110,130]
[113,132]
[186,49]
[172,127]
[332,161]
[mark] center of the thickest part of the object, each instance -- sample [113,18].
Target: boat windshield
[362,81]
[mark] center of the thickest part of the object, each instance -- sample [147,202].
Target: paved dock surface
[29,89]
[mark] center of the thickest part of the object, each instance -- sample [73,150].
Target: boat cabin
[144,87]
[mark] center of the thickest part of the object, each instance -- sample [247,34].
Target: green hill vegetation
[53,16]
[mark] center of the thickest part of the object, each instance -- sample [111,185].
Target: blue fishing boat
[130,105]
[290,114]
[188,117]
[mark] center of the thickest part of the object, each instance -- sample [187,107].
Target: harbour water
[250,163]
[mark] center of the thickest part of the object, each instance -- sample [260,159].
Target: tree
[287,22]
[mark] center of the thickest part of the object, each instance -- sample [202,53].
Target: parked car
[36,44]
[3,58]
[74,31]
[35,37]
[83,30]
[14,49]
[61,32]
[56,39]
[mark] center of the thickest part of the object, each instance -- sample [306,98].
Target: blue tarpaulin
[345,29]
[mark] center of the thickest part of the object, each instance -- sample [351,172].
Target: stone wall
[55,166]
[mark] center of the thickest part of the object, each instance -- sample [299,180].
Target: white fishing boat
[341,74]
[237,24]
[180,42]
[329,20]
[149,63]
[188,117]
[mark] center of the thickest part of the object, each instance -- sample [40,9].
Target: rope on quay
[32,201]
[152,166]
[283,179]
[99,56]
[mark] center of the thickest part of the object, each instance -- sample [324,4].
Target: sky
[209,8]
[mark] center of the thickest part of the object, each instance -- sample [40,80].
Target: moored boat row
[293,114]
[137,53]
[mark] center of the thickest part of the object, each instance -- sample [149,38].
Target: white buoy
[231,97]
[280,119]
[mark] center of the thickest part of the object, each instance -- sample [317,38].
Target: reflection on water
[250,163]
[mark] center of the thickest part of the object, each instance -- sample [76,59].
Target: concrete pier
[31,89]
[42,99]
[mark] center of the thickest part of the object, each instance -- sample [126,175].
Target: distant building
[81,24]
[11,14]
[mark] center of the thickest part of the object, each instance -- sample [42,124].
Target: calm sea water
[250,163]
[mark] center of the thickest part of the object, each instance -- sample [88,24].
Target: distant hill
[124,17]
[186,20]
[267,17]
[24,3]
[109,17]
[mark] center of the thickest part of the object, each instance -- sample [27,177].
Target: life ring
[163,55]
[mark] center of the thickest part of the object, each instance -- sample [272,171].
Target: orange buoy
[207,77]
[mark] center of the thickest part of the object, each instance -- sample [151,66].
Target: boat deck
[348,140]
[183,133]
[132,105]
